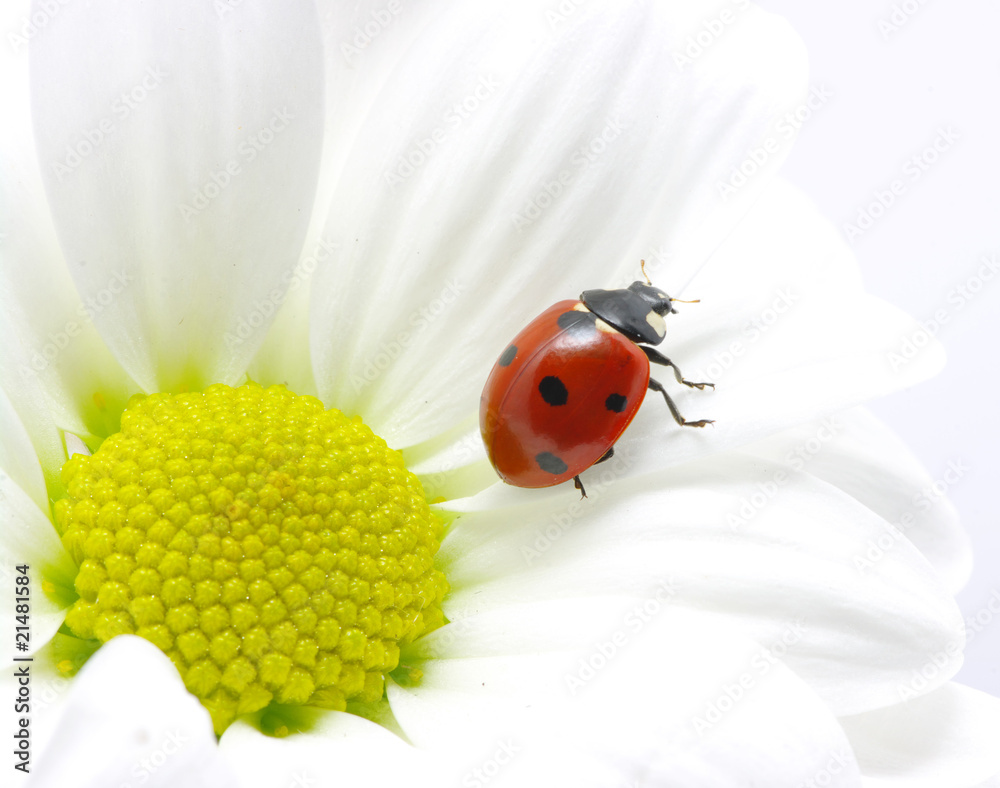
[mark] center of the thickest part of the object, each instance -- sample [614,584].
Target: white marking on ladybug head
[656,321]
[602,326]
[579,306]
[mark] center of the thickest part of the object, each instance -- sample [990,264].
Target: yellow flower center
[276,551]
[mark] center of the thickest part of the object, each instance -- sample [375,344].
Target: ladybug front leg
[656,357]
[655,385]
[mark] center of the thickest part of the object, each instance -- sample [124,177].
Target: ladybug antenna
[696,301]
[642,266]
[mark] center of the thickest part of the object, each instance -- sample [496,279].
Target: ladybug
[564,390]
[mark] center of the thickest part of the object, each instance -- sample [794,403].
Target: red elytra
[595,381]
[568,385]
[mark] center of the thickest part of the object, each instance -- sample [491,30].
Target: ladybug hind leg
[655,385]
[656,357]
[576,479]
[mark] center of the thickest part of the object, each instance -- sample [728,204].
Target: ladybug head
[636,312]
[657,300]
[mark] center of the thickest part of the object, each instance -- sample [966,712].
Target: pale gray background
[892,92]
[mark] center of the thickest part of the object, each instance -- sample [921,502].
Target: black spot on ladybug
[616,402]
[549,463]
[553,391]
[577,321]
[507,356]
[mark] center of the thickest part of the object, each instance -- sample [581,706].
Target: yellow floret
[274,550]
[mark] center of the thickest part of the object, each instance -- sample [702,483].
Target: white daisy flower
[232,232]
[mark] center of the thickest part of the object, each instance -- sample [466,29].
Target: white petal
[859,454]
[869,609]
[26,412]
[452,465]
[784,330]
[947,737]
[495,109]
[658,698]
[340,749]
[56,369]
[27,539]
[497,664]
[48,686]
[363,40]
[180,145]
[48,340]
[129,717]
[708,710]
[283,358]
[17,456]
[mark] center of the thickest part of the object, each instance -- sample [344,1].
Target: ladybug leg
[655,385]
[576,479]
[607,455]
[656,357]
